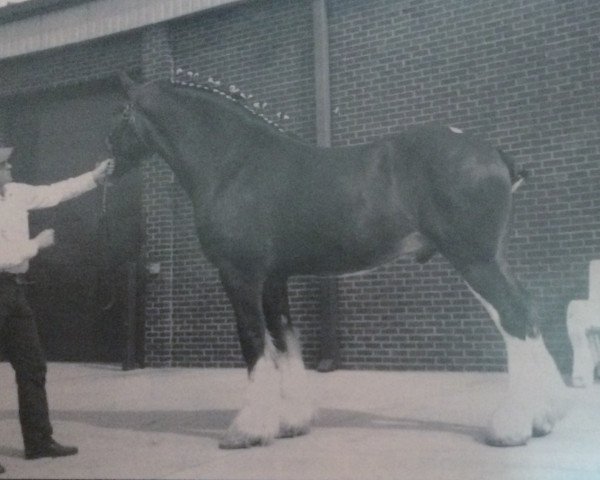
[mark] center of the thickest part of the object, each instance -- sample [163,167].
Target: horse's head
[128,138]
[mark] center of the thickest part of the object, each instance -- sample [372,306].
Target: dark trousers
[20,342]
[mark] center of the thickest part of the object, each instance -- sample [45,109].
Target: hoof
[295,420]
[290,431]
[235,440]
[542,429]
[579,382]
[511,426]
[543,424]
[506,442]
[555,410]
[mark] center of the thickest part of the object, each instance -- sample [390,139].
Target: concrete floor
[166,423]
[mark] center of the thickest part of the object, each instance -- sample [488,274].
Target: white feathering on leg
[536,395]
[511,423]
[552,388]
[257,423]
[297,408]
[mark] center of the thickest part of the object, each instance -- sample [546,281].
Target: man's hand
[45,238]
[103,170]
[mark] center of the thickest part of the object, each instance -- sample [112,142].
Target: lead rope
[104,196]
[105,246]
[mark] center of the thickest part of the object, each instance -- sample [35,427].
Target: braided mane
[232,93]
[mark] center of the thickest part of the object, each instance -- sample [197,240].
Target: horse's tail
[517,177]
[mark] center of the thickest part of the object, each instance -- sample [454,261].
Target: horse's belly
[348,259]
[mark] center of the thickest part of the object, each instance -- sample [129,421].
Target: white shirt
[16,248]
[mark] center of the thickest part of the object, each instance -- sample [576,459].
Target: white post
[583,316]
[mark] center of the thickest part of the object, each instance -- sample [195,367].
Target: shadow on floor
[213,423]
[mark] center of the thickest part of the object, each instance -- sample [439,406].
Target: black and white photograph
[300,239]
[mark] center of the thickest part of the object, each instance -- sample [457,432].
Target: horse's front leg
[297,407]
[257,423]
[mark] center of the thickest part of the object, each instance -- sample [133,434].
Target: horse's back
[319,210]
[361,202]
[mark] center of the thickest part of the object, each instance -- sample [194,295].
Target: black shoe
[2,469]
[50,449]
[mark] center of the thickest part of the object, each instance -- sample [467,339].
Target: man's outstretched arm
[45,196]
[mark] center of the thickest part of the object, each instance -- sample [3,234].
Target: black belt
[17,278]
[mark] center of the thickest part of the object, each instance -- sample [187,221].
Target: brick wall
[523,74]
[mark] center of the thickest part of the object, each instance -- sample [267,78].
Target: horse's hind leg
[296,401]
[257,423]
[535,397]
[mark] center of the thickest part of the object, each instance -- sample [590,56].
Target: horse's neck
[195,144]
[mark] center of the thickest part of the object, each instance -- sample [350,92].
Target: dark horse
[267,206]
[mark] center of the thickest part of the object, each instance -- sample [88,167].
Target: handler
[19,337]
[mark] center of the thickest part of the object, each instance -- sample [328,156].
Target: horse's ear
[127,83]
